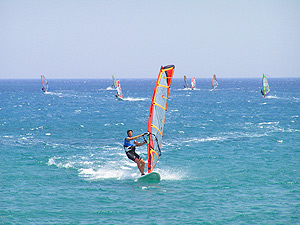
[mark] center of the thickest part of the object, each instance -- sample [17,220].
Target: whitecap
[205,139]
[268,123]
[53,161]
[105,173]
[134,99]
[272,96]
[172,174]
[8,136]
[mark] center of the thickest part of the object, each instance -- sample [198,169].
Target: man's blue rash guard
[128,143]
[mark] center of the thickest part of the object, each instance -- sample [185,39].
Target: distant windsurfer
[129,146]
[43,89]
[262,92]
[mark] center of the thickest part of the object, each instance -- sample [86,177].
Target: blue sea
[229,156]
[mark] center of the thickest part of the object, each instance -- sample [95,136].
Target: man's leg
[140,164]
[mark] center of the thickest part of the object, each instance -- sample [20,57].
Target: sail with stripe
[114,85]
[44,83]
[193,83]
[185,83]
[157,114]
[214,82]
[119,94]
[265,86]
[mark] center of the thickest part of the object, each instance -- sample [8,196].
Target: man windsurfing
[129,146]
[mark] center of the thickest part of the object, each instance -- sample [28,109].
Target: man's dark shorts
[132,155]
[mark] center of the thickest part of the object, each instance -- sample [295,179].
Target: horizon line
[135,78]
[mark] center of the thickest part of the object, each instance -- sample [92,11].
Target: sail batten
[163,86]
[157,114]
[159,106]
[156,129]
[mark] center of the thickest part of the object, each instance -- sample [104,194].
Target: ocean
[229,156]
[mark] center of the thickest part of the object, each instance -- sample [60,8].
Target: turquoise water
[229,156]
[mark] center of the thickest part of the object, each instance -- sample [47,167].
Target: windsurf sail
[214,82]
[44,83]
[185,83]
[157,114]
[114,85]
[193,83]
[119,90]
[265,86]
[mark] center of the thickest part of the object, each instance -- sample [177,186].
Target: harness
[129,148]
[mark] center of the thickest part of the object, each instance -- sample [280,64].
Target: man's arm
[134,138]
[139,144]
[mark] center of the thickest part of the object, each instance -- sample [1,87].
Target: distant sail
[214,82]
[114,85]
[119,94]
[157,114]
[185,83]
[193,83]
[44,83]
[265,86]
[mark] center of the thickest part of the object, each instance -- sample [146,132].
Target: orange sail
[119,94]
[214,82]
[44,83]
[157,114]
[193,83]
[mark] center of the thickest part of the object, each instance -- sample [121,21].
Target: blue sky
[132,39]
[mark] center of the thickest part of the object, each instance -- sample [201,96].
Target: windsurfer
[262,92]
[129,146]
